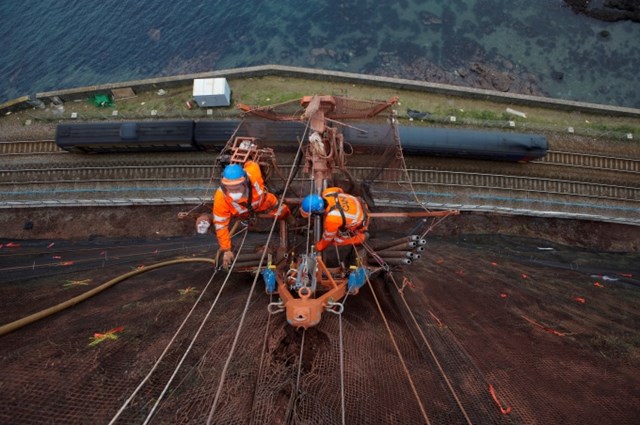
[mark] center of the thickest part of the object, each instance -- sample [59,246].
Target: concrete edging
[319,74]
[125,202]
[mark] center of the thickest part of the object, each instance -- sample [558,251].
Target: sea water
[56,44]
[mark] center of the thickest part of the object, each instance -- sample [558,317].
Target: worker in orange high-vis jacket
[242,192]
[345,217]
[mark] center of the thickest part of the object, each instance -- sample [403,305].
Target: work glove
[321,245]
[227,259]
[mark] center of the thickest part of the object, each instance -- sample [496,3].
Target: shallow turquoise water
[51,45]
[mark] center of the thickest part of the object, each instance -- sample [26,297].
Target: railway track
[29,147]
[168,174]
[588,161]
[558,158]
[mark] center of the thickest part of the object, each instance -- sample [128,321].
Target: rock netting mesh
[51,374]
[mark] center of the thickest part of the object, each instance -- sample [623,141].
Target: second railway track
[593,162]
[559,158]
[166,175]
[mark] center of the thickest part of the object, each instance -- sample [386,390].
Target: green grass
[275,90]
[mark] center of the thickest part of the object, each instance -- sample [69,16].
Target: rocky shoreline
[607,10]
[468,63]
[503,77]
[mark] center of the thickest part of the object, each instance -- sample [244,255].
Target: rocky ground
[156,222]
[608,10]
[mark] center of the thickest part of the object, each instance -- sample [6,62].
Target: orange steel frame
[306,309]
[306,312]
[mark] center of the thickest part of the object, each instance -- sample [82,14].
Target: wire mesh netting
[63,369]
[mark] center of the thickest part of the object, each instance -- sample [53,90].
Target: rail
[29,147]
[166,173]
[594,162]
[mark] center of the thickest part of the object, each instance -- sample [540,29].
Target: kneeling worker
[345,217]
[242,192]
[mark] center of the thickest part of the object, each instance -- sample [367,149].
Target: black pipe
[402,246]
[395,254]
[386,244]
[398,261]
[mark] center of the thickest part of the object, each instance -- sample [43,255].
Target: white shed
[208,92]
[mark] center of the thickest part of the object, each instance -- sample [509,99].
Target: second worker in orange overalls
[345,217]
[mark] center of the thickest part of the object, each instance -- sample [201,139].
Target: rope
[262,356]
[342,403]
[404,365]
[436,221]
[216,165]
[155,365]
[400,156]
[433,354]
[188,350]
[253,285]
[304,333]
[15,325]
[296,393]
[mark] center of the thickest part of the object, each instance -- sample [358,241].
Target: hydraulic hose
[10,327]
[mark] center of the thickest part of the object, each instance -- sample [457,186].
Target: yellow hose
[10,327]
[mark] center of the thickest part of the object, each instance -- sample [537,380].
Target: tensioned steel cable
[155,365]
[216,165]
[398,352]
[433,354]
[296,393]
[253,285]
[262,356]
[204,320]
[342,403]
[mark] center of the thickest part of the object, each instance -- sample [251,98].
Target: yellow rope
[10,327]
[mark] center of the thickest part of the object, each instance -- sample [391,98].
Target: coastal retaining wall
[324,75]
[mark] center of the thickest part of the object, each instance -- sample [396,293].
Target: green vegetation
[171,102]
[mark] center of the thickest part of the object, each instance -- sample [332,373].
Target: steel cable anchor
[334,307]
[276,307]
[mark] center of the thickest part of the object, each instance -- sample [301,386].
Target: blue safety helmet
[312,204]
[233,174]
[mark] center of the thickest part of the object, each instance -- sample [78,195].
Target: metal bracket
[275,308]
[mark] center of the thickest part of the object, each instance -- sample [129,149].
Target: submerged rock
[608,11]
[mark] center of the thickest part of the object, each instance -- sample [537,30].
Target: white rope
[342,403]
[262,356]
[432,352]
[175,335]
[188,350]
[400,357]
[253,285]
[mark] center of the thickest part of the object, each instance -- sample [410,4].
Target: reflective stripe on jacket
[334,222]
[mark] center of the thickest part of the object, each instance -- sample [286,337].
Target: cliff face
[607,10]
